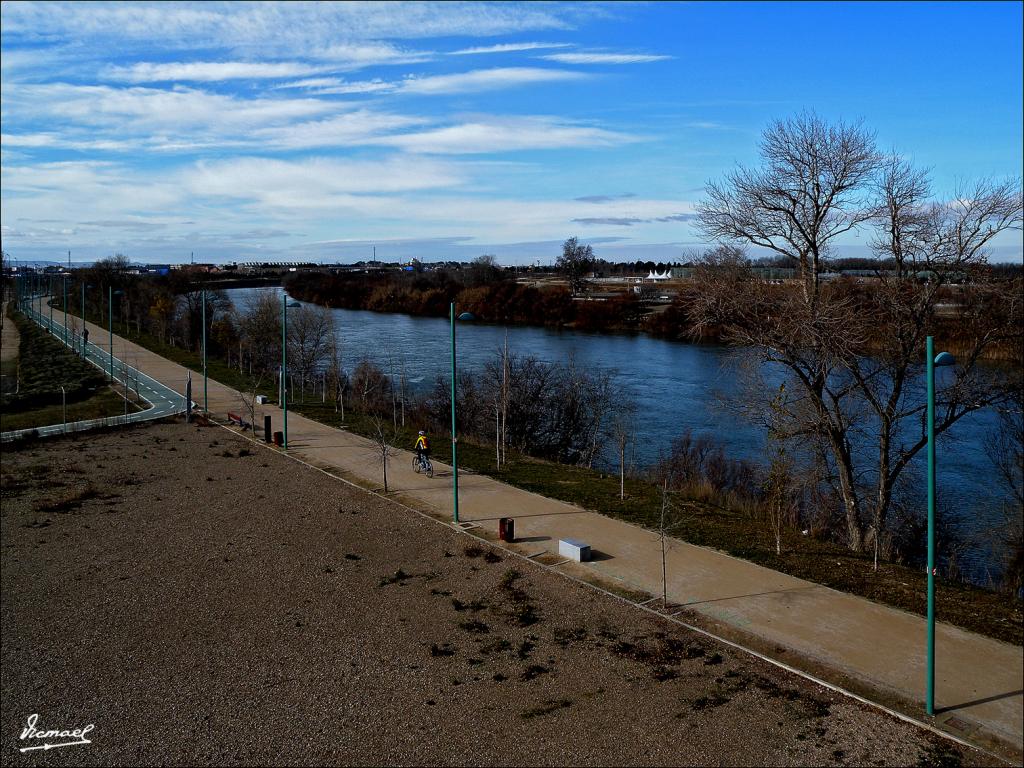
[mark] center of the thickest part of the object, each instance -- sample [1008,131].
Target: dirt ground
[201,600]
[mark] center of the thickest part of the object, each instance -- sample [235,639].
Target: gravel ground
[203,604]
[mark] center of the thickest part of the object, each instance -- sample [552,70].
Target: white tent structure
[660,275]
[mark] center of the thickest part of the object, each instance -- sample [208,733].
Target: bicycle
[422,465]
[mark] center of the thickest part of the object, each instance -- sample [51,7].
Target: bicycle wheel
[429,469]
[416,464]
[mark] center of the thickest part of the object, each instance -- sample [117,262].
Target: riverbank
[698,522]
[296,620]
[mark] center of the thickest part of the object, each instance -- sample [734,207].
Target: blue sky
[446,130]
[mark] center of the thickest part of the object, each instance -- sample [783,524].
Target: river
[676,386]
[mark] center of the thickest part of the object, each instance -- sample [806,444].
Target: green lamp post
[942,359]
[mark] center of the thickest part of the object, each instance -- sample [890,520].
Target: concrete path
[979,681]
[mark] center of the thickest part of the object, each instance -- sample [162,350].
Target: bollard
[266,429]
[279,438]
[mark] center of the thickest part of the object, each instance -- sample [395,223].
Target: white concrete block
[574,550]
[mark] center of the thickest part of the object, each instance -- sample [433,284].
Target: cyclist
[422,447]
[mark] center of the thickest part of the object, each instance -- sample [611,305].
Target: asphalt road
[163,400]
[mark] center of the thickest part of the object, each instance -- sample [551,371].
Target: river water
[676,386]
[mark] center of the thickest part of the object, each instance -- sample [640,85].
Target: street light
[65,282]
[111,293]
[941,359]
[206,401]
[455,440]
[284,360]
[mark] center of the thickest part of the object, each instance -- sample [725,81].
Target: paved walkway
[162,400]
[979,681]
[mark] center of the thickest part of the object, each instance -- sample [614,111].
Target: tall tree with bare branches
[852,353]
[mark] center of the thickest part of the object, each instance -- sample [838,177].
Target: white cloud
[273,28]
[358,127]
[486,80]
[603,58]
[359,55]
[335,85]
[208,71]
[44,140]
[504,134]
[507,48]
[137,110]
[314,183]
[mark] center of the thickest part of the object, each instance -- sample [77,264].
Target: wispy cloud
[486,80]
[603,58]
[604,198]
[507,48]
[358,127]
[335,85]
[505,134]
[207,71]
[314,183]
[629,221]
[273,27]
[360,55]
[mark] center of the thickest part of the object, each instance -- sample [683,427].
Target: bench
[234,418]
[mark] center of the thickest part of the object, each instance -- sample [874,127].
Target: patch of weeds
[524,614]
[509,578]
[473,550]
[663,674]
[474,662]
[775,691]
[441,592]
[245,452]
[694,652]
[715,658]
[817,707]
[709,702]
[492,557]
[532,671]
[564,637]
[473,606]
[525,649]
[352,556]
[227,454]
[445,649]
[447,554]
[549,706]
[475,627]
[398,578]
[498,677]
[939,754]
[495,646]
[71,500]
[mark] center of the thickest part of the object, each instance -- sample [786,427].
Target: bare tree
[336,376]
[310,331]
[852,354]
[576,260]
[383,445]
[623,430]
[247,396]
[260,330]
